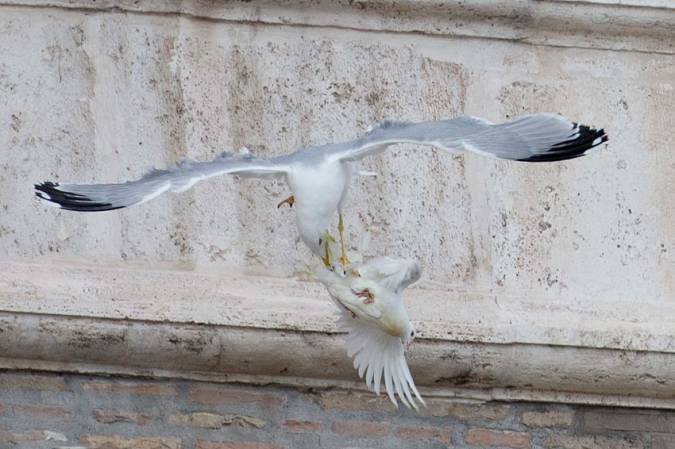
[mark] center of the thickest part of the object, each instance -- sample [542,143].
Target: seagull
[377,324]
[318,176]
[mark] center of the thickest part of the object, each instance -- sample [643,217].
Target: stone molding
[233,327]
[631,25]
[92,319]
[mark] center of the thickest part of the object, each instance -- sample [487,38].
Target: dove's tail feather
[378,357]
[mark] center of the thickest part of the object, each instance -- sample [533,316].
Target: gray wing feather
[101,197]
[530,138]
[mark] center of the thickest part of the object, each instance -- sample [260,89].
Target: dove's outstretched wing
[379,356]
[393,273]
[529,138]
[102,197]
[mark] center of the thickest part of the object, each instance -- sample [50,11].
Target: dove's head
[408,335]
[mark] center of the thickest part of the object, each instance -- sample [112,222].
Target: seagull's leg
[290,201]
[328,254]
[341,229]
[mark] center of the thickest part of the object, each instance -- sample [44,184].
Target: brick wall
[72,411]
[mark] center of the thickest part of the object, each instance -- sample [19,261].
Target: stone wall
[547,290]
[70,411]
[104,94]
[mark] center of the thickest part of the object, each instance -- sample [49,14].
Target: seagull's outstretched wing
[101,197]
[530,138]
[379,356]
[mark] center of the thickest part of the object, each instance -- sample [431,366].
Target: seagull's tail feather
[536,138]
[102,197]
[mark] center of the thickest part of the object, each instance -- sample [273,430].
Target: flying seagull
[318,176]
[377,324]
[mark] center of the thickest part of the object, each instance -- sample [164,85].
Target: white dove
[377,324]
[318,176]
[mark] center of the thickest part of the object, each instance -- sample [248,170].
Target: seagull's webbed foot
[290,201]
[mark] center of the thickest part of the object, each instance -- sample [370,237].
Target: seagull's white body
[377,324]
[319,176]
[319,191]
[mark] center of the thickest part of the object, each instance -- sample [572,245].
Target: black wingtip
[49,191]
[585,139]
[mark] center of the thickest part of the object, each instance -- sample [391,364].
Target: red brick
[348,400]
[548,418]
[361,429]
[658,421]
[465,410]
[302,426]
[663,441]
[42,411]
[486,437]
[14,438]
[215,421]
[227,394]
[424,434]
[591,442]
[117,416]
[25,381]
[201,444]
[129,388]
[121,442]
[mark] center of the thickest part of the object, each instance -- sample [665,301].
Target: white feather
[378,356]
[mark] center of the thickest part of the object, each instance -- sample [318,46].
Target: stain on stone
[16,122]
[543,226]
[342,92]
[87,339]
[624,104]
[445,87]
[467,378]
[245,98]
[196,343]
[504,219]
[522,97]
[179,238]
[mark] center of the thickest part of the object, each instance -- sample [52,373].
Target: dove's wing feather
[102,197]
[378,356]
[394,274]
[408,376]
[530,138]
[388,380]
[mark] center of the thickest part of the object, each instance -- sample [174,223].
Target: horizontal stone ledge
[603,24]
[439,312]
[482,371]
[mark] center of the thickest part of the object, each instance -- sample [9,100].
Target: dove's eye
[412,333]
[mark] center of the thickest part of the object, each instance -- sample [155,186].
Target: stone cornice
[245,328]
[630,25]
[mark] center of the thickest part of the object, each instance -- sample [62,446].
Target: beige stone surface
[577,255]
[101,97]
